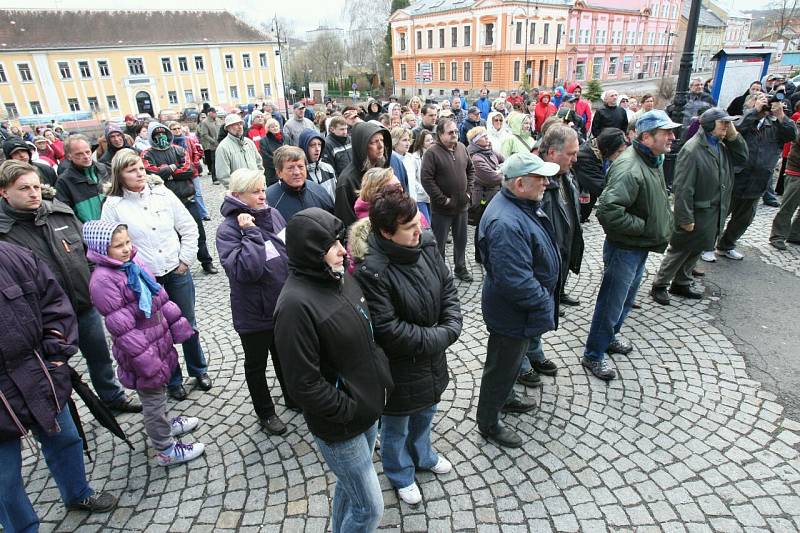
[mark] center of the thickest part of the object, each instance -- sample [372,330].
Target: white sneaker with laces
[180,425]
[180,453]
[442,466]
[731,254]
[410,494]
[709,257]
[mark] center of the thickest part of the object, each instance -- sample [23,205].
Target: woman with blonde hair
[415,106]
[373,182]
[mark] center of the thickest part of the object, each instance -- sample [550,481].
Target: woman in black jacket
[594,158]
[416,315]
[267,146]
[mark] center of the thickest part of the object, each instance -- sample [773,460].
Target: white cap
[232,118]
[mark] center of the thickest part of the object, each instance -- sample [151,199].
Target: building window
[584,37]
[597,68]
[532,34]
[403,72]
[112,102]
[454,37]
[228,61]
[518,33]
[453,71]
[598,37]
[267,90]
[25,73]
[441,71]
[63,70]
[36,107]
[73,104]
[467,71]
[262,59]
[487,71]
[251,91]
[516,70]
[612,66]
[3,78]
[199,65]
[546,33]
[430,38]
[560,34]
[11,110]
[83,68]
[245,60]
[204,94]
[188,95]
[467,36]
[102,66]
[183,64]
[136,66]
[631,37]
[166,65]
[651,38]
[489,34]
[94,105]
[173,97]
[234,91]
[441,37]
[419,40]
[580,70]
[626,65]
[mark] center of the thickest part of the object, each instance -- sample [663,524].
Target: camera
[779,96]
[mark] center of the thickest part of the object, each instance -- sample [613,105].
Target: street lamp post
[559,34]
[280,62]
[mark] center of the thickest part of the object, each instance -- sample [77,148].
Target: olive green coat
[702,189]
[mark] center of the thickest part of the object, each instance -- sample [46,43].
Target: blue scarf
[142,285]
[649,157]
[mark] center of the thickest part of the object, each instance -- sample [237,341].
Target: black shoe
[687,291]
[503,436]
[792,241]
[636,305]
[464,276]
[566,299]
[545,367]
[99,502]
[562,313]
[780,245]
[214,181]
[660,295]
[530,379]
[273,425]
[203,382]
[600,369]
[207,218]
[620,345]
[698,273]
[772,203]
[209,269]
[519,406]
[178,392]
[125,404]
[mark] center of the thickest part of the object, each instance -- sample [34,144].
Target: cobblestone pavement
[682,441]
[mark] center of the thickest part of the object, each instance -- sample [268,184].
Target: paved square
[682,441]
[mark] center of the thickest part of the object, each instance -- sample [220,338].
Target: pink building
[621,39]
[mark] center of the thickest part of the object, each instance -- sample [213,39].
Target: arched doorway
[143,103]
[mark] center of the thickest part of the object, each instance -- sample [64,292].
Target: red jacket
[257,131]
[544,109]
[515,100]
[195,153]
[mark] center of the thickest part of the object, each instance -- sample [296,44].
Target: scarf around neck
[142,285]
[649,157]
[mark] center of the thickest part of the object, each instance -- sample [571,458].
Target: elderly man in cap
[296,124]
[634,212]
[519,251]
[236,151]
[208,133]
[702,189]
[473,120]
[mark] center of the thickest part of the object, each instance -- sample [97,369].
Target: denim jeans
[406,446]
[358,501]
[534,353]
[180,289]
[622,274]
[63,453]
[93,345]
[503,359]
[198,196]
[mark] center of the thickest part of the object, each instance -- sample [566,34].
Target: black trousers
[257,348]
[202,249]
[743,211]
[210,157]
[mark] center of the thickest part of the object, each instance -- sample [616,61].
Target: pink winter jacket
[143,347]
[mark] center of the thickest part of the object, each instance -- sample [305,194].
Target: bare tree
[327,51]
[366,31]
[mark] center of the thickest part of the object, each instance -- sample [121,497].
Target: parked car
[190,114]
[167,115]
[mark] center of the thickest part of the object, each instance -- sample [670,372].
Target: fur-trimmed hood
[357,240]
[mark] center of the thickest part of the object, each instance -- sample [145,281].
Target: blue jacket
[289,201]
[485,105]
[399,170]
[519,252]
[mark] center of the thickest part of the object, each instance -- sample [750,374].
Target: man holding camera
[765,127]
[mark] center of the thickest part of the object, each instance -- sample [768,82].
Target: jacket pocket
[21,301]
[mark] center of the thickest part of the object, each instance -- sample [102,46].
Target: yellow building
[105,64]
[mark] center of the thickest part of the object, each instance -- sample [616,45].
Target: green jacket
[521,141]
[633,208]
[82,190]
[702,189]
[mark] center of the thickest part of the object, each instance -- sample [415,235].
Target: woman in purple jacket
[251,246]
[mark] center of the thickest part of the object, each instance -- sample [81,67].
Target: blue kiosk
[736,69]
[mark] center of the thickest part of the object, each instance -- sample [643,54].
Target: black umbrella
[97,407]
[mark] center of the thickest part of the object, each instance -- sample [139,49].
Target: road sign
[424,73]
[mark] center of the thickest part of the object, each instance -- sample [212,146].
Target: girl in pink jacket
[144,325]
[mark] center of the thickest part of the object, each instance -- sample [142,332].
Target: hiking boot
[620,345]
[99,502]
[545,367]
[518,405]
[273,425]
[180,453]
[180,425]
[660,295]
[125,404]
[600,369]
[780,245]
[530,379]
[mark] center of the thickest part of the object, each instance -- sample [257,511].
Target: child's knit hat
[97,235]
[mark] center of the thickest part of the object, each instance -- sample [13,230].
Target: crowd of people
[333,235]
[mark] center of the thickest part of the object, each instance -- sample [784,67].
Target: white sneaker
[442,466]
[709,257]
[731,254]
[410,494]
[180,453]
[182,425]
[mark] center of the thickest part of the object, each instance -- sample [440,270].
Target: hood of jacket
[572,86]
[357,239]
[306,136]
[544,100]
[151,128]
[15,143]
[490,121]
[360,137]
[232,206]
[515,123]
[310,233]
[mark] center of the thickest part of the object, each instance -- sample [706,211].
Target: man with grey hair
[518,248]
[610,115]
[80,185]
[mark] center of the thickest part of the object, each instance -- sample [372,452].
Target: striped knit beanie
[97,235]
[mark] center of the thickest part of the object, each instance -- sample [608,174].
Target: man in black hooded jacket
[17,149]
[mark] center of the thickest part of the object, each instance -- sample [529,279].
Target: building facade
[104,64]
[737,29]
[709,39]
[439,45]
[621,39]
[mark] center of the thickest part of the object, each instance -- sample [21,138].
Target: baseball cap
[716,113]
[232,118]
[298,105]
[655,120]
[523,164]
[473,110]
